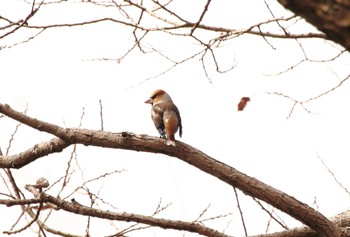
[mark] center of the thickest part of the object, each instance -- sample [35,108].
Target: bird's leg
[161,132]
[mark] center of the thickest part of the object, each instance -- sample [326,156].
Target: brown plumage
[165,115]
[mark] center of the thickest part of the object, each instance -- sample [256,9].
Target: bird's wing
[157,116]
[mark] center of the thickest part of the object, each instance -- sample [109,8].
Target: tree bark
[331,17]
[186,153]
[341,220]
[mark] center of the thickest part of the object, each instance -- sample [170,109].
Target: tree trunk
[332,17]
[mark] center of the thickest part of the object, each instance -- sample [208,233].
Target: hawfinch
[165,115]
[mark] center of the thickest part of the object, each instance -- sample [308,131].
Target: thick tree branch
[37,151]
[332,17]
[341,220]
[128,217]
[13,202]
[191,155]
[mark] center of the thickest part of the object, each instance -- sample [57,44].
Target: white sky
[55,76]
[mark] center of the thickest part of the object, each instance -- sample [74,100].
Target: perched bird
[165,115]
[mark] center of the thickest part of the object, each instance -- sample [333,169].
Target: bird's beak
[149,101]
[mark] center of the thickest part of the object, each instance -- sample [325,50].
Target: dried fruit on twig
[243,103]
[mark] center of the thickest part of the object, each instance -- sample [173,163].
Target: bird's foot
[170,143]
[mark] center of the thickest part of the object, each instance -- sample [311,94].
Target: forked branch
[188,154]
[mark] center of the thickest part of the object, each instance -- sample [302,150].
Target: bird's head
[158,96]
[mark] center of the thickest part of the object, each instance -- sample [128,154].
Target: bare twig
[101,114]
[315,204]
[202,214]
[240,212]
[92,180]
[280,222]
[138,226]
[201,17]
[23,41]
[28,224]
[295,102]
[92,212]
[332,174]
[231,176]
[302,103]
[329,90]
[24,22]
[160,208]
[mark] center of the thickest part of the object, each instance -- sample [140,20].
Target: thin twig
[101,114]
[29,224]
[240,212]
[201,17]
[271,215]
[332,174]
[202,214]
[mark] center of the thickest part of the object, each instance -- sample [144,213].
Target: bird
[165,115]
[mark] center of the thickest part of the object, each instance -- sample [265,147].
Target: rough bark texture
[332,17]
[341,220]
[186,153]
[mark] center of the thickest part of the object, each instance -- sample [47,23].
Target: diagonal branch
[129,141]
[330,17]
[31,154]
[201,17]
[24,22]
[13,202]
[128,217]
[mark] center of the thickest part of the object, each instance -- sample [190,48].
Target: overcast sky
[57,76]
